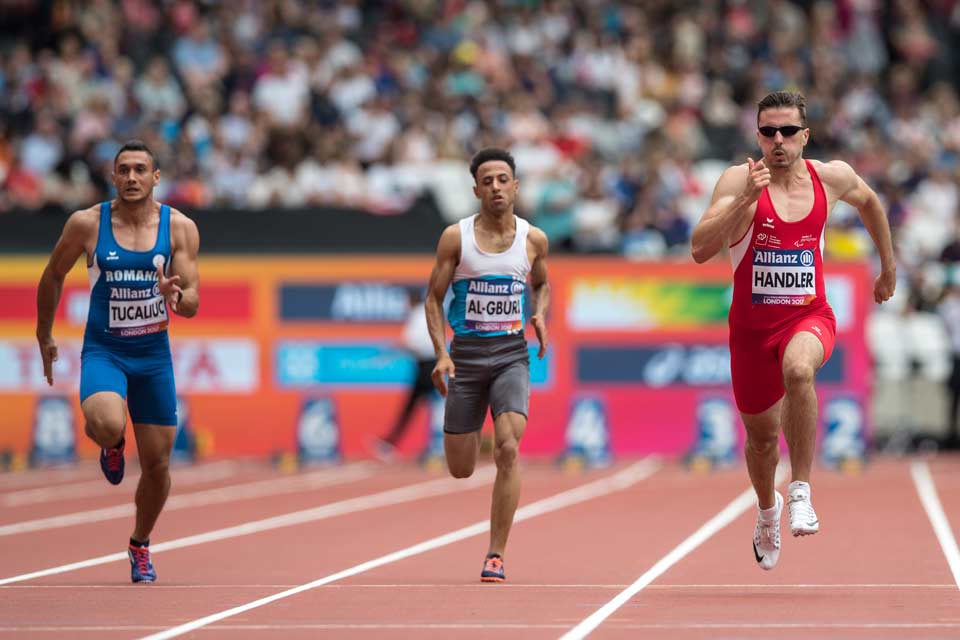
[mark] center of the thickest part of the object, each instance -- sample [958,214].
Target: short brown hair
[779,99]
[136,145]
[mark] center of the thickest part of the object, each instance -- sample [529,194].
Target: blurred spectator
[42,149]
[158,93]
[198,55]
[282,93]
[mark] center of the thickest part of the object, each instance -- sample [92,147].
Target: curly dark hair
[488,154]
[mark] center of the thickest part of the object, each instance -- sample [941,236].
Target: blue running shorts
[145,381]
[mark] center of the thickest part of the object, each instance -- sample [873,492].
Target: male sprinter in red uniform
[771,214]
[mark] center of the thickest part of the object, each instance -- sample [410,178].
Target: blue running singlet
[125,345]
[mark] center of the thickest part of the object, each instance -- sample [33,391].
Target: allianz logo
[369,301]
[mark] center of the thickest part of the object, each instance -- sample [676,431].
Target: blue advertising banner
[312,363]
[303,363]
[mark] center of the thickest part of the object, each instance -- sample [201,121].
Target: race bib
[134,311]
[784,276]
[494,305]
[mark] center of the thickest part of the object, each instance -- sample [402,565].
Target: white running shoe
[766,538]
[803,519]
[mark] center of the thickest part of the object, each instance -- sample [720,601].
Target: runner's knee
[761,444]
[797,375]
[103,429]
[505,453]
[154,463]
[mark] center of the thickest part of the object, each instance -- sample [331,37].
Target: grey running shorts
[492,372]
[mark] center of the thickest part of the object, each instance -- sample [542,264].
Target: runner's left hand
[169,288]
[540,326]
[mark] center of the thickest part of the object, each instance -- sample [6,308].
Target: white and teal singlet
[489,288]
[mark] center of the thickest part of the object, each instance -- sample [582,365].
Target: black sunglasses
[787,130]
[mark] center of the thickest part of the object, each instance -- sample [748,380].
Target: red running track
[367,551]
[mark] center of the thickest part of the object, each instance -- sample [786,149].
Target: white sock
[771,513]
[799,485]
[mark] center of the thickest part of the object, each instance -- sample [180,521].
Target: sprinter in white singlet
[487,258]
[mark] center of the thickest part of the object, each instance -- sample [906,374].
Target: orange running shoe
[493,569]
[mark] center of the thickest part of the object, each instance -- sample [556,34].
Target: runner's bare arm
[73,242]
[183,263]
[540,287]
[448,254]
[851,188]
[730,211]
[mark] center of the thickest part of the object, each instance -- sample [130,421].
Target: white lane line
[598,488]
[727,515]
[183,477]
[53,477]
[927,491]
[301,627]
[40,476]
[232,493]
[503,625]
[387,498]
[447,586]
[789,625]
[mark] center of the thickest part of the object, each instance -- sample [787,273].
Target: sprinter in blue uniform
[142,261]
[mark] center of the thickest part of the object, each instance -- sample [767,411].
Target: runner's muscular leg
[762,451]
[508,430]
[461,451]
[154,443]
[801,359]
[105,413]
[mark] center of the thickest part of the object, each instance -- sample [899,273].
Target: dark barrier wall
[326,229]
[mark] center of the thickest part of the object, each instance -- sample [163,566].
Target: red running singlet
[778,265]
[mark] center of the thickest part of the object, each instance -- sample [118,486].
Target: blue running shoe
[493,569]
[141,568]
[112,463]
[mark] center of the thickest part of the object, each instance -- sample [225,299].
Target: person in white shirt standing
[416,340]
[949,310]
